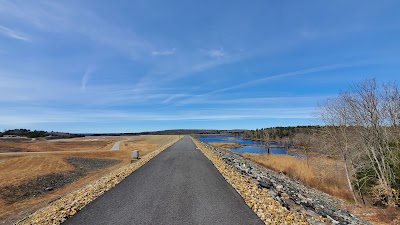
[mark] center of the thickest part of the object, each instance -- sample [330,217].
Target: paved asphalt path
[178,186]
[116,146]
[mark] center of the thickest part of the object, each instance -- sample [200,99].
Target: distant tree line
[38,134]
[184,132]
[277,133]
[301,137]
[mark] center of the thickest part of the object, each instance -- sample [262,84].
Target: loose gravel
[67,206]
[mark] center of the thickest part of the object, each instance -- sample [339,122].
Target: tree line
[293,136]
[277,133]
[38,133]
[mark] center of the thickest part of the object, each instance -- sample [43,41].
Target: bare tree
[267,140]
[286,142]
[362,126]
[367,108]
[335,116]
[304,140]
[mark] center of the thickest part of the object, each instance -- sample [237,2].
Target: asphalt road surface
[116,146]
[178,186]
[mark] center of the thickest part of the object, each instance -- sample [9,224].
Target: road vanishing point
[178,186]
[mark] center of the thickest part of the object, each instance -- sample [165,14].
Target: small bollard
[134,155]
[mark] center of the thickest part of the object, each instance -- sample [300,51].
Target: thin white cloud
[86,76]
[236,101]
[164,53]
[28,89]
[5,31]
[57,17]
[215,53]
[172,97]
[200,97]
[283,75]
[190,64]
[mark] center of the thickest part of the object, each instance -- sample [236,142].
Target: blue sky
[127,66]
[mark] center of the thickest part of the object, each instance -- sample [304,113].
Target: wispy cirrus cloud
[10,33]
[174,96]
[164,52]
[56,17]
[284,75]
[31,89]
[215,53]
[86,76]
[59,18]
[201,97]
[288,100]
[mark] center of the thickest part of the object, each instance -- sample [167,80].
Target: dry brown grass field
[23,171]
[146,144]
[76,144]
[318,172]
[226,145]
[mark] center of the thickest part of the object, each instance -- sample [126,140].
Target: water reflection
[249,146]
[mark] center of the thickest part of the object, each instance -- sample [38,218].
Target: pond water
[249,146]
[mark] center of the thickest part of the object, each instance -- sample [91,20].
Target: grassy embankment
[318,171]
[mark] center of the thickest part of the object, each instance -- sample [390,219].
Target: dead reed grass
[226,145]
[319,172]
